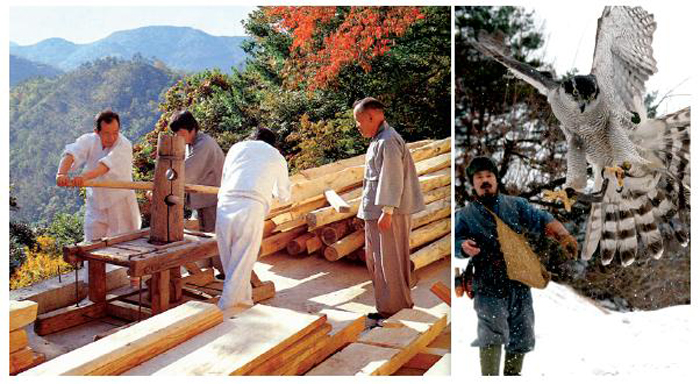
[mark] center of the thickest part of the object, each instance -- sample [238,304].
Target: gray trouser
[207,218]
[207,223]
[509,320]
[389,264]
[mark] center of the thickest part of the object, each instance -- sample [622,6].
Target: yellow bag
[522,263]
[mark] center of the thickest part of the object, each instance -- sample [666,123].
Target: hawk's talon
[620,173]
[567,197]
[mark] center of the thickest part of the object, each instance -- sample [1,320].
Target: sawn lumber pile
[322,218]
[22,357]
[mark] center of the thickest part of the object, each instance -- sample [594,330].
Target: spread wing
[491,45]
[623,58]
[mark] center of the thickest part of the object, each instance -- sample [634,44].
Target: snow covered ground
[577,339]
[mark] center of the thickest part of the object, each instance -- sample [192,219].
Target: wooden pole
[148,186]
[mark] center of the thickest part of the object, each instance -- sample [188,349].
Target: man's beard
[488,189]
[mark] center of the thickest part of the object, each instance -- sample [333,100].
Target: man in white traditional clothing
[107,156]
[254,172]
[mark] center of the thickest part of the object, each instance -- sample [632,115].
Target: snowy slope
[577,339]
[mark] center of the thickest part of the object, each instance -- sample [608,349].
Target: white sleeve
[282,185]
[80,150]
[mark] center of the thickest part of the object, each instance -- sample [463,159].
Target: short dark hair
[107,116]
[266,135]
[368,103]
[481,163]
[183,119]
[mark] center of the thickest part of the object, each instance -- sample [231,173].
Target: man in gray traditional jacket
[391,194]
[204,164]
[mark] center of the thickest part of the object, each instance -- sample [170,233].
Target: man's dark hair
[107,116]
[481,163]
[266,135]
[183,120]
[368,103]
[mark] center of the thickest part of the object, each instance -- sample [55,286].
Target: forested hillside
[23,69]
[47,114]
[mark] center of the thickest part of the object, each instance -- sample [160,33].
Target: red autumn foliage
[364,33]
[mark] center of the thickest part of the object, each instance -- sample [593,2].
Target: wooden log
[278,363]
[431,253]
[268,228]
[22,313]
[263,292]
[18,340]
[430,232]
[345,246]
[24,359]
[124,350]
[434,164]
[437,194]
[298,245]
[331,233]
[64,318]
[237,346]
[148,186]
[442,291]
[313,244]
[279,241]
[337,166]
[336,201]
[324,216]
[434,211]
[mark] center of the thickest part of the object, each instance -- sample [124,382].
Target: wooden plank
[123,350]
[422,361]
[22,313]
[68,317]
[278,363]
[172,257]
[336,201]
[442,291]
[205,277]
[236,346]
[127,311]
[18,340]
[24,359]
[355,359]
[431,253]
[347,327]
[291,366]
[97,281]
[441,368]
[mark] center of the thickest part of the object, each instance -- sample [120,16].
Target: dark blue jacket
[474,222]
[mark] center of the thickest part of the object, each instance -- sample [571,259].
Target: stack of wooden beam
[322,218]
[256,342]
[22,357]
[384,350]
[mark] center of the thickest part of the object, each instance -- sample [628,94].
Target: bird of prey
[605,124]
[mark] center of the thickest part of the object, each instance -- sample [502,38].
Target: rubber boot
[490,358]
[513,364]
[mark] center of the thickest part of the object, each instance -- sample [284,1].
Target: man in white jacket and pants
[107,156]
[254,172]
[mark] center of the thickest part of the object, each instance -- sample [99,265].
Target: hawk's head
[581,90]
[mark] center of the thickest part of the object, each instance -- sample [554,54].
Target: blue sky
[29,25]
